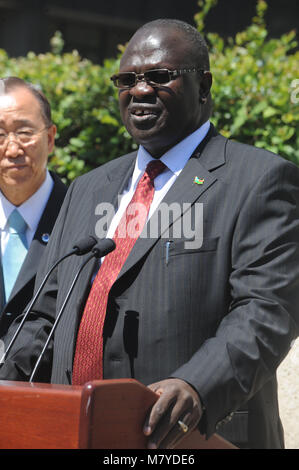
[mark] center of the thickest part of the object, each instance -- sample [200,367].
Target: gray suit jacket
[220,316]
[24,285]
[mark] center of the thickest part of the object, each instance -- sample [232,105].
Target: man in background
[30,196]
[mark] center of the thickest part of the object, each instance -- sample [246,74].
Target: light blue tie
[15,250]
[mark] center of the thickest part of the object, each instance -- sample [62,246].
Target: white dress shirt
[31,211]
[175,159]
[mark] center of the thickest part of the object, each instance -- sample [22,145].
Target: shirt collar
[175,158]
[31,209]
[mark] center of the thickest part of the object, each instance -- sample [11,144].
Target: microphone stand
[84,245]
[30,307]
[101,249]
[59,315]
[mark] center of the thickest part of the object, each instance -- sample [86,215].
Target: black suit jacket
[219,316]
[24,285]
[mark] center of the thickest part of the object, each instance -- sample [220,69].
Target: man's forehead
[15,95]
[7,101]
[158,45]
[19,105]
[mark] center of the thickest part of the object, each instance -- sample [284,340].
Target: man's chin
[16,176]
[156,146]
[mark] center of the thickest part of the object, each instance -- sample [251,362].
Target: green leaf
[269,111]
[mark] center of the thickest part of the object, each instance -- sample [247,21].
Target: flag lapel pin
[198,180]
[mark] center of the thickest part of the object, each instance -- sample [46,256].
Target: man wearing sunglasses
[30,196]
[205,323]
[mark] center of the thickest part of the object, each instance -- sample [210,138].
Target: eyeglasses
[154,77]
[22,137]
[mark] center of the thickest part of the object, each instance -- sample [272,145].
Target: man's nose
[13,148]
[141,88]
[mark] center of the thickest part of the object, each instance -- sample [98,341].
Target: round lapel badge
[45,237]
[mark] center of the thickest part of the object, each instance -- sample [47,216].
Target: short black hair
[8,84]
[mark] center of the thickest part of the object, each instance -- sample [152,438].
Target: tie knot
[154,168]
[16,222]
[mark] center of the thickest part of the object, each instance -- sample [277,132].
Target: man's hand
[178,402]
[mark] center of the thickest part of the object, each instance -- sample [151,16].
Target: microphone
[102,248]
[82,247]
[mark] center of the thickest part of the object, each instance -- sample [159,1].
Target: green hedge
[84,106]
[254,101]
[254,89]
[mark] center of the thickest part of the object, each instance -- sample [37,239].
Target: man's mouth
[144,117]
[16,166]
[144,112]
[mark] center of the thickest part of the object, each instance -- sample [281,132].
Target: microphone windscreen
[103,247]
[85,245]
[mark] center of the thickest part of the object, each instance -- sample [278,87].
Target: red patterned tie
[88,361]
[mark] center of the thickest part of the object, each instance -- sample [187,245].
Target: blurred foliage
[84,106]
[255,85]
[252,89]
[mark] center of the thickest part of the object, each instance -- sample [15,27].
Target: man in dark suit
[202,305]
[26,188]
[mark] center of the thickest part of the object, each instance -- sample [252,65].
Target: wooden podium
[104,414]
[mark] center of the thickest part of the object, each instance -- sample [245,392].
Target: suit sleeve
[21,360]
[255,334]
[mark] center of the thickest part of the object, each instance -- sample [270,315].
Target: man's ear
[205,86]
[51,137]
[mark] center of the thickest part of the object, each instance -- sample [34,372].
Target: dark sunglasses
[154,77]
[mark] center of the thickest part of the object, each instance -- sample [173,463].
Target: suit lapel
[112,186]
[208,156]
[2,291]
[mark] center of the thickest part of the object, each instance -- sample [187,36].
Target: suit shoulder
[255,161]
[239,150]
[119,164]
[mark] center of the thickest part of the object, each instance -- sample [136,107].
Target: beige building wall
[288,390]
